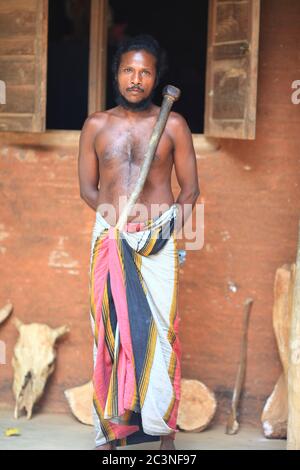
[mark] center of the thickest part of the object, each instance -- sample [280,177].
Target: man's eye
[146,72]
[128,69]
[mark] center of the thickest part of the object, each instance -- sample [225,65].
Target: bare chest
[129,147]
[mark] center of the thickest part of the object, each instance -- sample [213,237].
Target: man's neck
[135,114]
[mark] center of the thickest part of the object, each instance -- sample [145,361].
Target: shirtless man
[113,144]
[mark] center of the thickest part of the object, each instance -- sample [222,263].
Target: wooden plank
[18,72]
[231,77]
[50,138]
[21,122]
[23,63]
[19,99]
[232,22]
[17,22]
[97,56]
[253,70]
[12,6]
[41,48]
[293,428]
[18,46]
[229,84]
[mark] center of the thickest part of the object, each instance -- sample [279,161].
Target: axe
[170,94]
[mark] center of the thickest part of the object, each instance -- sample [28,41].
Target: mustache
[144,103]
[135,88]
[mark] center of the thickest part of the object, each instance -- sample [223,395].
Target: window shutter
[232,59]
[23,64]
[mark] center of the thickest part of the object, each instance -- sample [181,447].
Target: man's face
[136,80]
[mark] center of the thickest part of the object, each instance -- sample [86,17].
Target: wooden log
[197,406]
[80,401]
[282,311]
[275,413]
[293,429]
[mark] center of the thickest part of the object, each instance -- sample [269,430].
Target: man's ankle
[167,437]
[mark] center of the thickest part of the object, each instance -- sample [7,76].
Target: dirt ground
[63,432]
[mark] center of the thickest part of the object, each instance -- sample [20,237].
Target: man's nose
[135,79]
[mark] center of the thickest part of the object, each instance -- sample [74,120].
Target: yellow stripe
[138,262]
[169,410]
[144,380]
[171,331]
[105,425]
[145,251]
[96,251]
[173,308]
[112,390]
[107,323]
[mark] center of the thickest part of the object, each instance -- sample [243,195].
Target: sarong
[133,289]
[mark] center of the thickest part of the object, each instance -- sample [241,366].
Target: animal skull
[33,362]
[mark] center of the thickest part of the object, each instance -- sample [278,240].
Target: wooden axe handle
[170,94]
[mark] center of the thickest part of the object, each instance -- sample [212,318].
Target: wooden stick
[232,423]
[293,428]
[170,94]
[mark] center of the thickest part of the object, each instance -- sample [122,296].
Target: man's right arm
[88,165]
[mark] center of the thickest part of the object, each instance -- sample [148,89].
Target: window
[181,29]
[67,64]
[212,58]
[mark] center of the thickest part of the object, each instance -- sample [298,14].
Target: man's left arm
[185,164]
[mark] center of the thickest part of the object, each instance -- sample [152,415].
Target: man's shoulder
[176,123]
[96,118]
[176,119]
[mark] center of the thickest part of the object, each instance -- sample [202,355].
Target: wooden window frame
[96,89]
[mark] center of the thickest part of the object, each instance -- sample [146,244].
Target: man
[133,280]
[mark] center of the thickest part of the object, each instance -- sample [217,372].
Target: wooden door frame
[97,55]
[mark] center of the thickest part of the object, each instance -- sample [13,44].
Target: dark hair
[141,42]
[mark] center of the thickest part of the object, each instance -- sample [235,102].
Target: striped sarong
[133,288]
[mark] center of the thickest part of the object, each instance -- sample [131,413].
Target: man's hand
[185,167]
[88,165]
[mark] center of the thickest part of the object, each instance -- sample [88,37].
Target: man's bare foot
[108,446]
[167,443]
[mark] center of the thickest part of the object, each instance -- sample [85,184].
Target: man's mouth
[135,90]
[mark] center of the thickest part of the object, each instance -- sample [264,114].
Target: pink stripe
[126,370]
[108,258]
